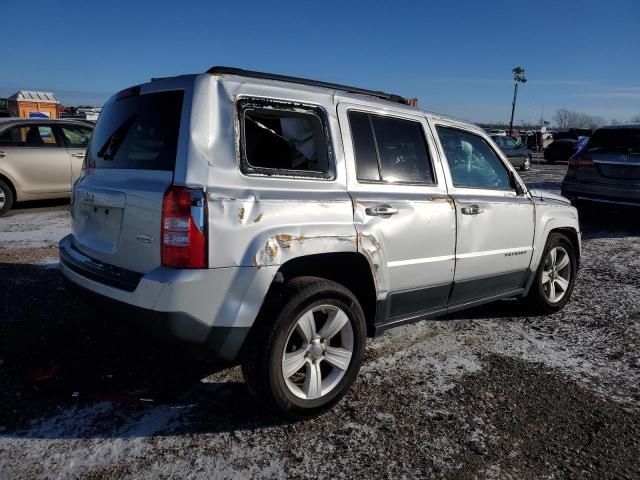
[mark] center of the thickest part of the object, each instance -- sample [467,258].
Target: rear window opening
[138,132]
[278,139]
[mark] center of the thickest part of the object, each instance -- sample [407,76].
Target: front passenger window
[472,163]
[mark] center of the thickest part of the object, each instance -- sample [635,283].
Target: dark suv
[607,169]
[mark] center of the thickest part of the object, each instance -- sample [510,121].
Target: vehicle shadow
[32,204]
[62,358]
[608,221]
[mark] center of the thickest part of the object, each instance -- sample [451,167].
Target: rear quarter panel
[257,221]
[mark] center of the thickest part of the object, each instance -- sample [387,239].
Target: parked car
[519,155]
[40,158]
[560,150]
[496,131]
[607,169]
[280,221]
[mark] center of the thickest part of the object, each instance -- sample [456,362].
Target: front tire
[6,198]
[307,350]
[555,277]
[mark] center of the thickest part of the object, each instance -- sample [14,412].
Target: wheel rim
[527,163]
[318,352]
[3,199]
[556,274]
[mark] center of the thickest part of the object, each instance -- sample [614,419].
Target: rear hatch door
[616,157]
[117,202]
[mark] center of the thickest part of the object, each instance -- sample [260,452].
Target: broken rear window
[280,139]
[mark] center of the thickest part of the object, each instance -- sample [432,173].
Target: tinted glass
[402,149]
[498,139]
[472,162]
[509,143]
[138,132]
[29,136]
[364,145]
[76,137]
[623,140]
[284,140]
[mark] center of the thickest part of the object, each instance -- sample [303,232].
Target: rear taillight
[577,161]
[184,229]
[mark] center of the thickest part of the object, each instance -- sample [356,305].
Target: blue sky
[455,56]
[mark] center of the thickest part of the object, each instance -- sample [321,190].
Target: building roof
[33,96]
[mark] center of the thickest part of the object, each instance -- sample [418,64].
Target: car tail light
[577,162]
[184,234]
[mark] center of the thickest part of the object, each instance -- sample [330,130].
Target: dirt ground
[487,393]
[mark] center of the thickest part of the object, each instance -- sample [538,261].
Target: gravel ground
[486,393]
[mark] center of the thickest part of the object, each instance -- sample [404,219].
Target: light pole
[518,77]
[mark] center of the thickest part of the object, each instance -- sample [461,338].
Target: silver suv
[280,221]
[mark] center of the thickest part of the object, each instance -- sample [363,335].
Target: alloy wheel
[556,274]
[317,352]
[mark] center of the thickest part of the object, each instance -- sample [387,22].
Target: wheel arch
[10,182]
[573,237]
[349,269]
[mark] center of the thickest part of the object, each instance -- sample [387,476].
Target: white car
[280,221]
[499,132]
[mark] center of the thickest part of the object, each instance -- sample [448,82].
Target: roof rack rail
[217,70]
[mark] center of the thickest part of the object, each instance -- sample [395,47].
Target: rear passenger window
[390,149]
[29,136]
[282,139]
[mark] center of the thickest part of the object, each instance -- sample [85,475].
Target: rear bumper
[601,193]
[211,307]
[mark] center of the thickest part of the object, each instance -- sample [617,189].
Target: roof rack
[316,83]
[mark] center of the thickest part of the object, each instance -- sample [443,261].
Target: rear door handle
[471,210]
[381,211]
[78,155]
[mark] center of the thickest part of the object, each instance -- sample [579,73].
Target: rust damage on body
[370,247]
[284,246]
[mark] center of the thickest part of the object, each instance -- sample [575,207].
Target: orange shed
[27,103]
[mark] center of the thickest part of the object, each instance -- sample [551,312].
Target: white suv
[280,221]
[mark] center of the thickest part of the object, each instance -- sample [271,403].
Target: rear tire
[555,277]
[6,198]
[307,349]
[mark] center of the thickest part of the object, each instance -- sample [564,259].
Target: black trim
[97,271]
[412,306]
[218,70]
[420,300]
[224,342]
[476,288]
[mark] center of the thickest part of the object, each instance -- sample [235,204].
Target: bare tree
[565,118]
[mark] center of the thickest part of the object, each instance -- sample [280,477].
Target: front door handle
[78,155]
[381,211]
[2,154]
[471,210]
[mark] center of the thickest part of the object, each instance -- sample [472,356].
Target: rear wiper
[110,148]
